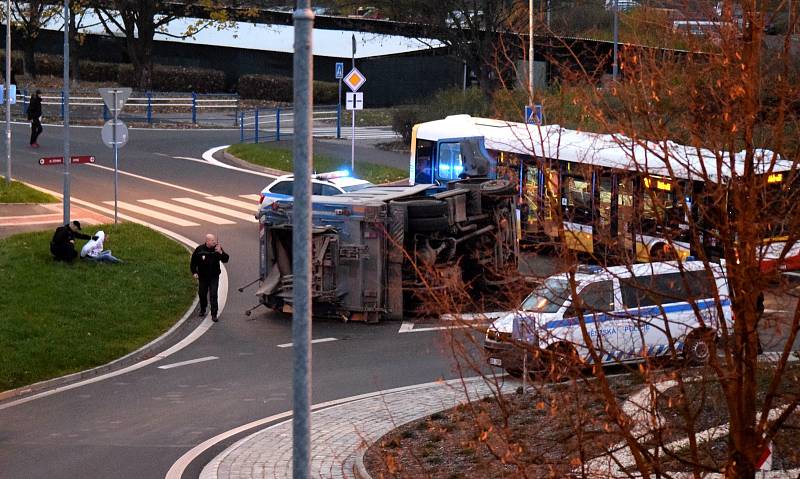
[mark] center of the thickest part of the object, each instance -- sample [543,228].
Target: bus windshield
[549,297]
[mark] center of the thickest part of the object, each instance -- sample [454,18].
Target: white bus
[607,194]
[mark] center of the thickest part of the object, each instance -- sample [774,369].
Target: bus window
[578,199]
[659,208]
[450,162]
[424,158]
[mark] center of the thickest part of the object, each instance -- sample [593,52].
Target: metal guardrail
[149,107]
[268,124]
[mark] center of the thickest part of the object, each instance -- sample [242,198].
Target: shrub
[281,89]
[452,101]
[176,78]
[99,72]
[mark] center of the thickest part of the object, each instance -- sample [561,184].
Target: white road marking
[232,202]
[255,198]
[218,209]
[153,214]
[209,157]
[186,211]
[474,316]
[185,363]
[192,337]
[407,327]
[152,180]
[315,341]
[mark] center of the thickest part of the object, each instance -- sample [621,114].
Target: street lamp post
[8,91]
[615,70]
[66,112]
[301,241]
[530,52]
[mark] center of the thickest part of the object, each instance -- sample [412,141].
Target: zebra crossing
[189,212]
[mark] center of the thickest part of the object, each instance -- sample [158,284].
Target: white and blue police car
[323,184]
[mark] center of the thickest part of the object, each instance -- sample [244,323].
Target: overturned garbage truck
[375,251]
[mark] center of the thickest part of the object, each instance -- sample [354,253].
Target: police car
[324,184]
[630,313]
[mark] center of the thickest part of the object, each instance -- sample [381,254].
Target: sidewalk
[340,435]
[22,217]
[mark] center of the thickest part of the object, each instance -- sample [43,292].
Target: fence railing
[268,124]
[149,107]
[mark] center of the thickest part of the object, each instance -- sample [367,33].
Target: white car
[324,184]
[630,313]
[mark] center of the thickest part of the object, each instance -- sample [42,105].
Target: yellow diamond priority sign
[354,79]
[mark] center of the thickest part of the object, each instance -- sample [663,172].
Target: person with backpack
[35,117]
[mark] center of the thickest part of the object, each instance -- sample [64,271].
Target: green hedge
[280,88]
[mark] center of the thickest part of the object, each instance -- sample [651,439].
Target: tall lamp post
[301,241]
[530,52]
[615,70]
[8,91]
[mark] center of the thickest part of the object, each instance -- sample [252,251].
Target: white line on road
[323,340]
[408,327]
[185,363]
[218,209]
[153,214]
[232,202]
[251,197]
[152,180]
[186,211]
[209,157]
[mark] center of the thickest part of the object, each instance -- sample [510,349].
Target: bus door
[532,194]
[577,204]
[604,224]
[551,201]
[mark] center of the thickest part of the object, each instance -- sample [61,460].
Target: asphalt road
[138,424]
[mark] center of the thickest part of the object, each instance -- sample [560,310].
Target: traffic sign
[533,115]
[339,70]
[115,99]
[59,160]
[354,101]
[355,79]
[107,133]
[12,94]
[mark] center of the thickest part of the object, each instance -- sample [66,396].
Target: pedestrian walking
[35,117]
[205,268]
[62,246]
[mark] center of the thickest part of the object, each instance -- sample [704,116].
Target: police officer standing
[205,268]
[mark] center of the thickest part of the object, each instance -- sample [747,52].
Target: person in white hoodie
[93,250]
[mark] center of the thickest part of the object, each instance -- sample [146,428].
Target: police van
[630,313]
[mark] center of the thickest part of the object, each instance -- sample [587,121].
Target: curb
[359,469]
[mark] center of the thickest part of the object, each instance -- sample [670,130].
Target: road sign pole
[353,116]
[116,159]
[65,93]
[301,240]
[339,113]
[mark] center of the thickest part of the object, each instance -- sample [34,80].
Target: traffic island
[59,318]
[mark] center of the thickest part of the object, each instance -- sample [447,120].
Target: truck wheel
[497,188]
[699,347]
[423,225]
[514,373]
[426,208]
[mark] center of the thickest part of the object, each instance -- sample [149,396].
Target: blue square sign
[339,70]
[533,115]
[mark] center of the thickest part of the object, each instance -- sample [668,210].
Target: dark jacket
[205,261]
[62,245]
[35,107]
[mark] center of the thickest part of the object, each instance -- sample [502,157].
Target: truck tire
[497,188]
[426,208]
[423,225]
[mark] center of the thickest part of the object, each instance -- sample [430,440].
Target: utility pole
[8,91]
[530,52]
[615,70]
[353,117]
[301,241]
[66,112]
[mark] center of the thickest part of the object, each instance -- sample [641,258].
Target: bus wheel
[699,347]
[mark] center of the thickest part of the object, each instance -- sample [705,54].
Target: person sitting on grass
[62,246]
[93,250]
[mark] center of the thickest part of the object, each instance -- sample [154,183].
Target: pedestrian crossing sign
[533,114]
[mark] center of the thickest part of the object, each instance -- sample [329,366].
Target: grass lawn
[17,192]
[280,158]
[58,318]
